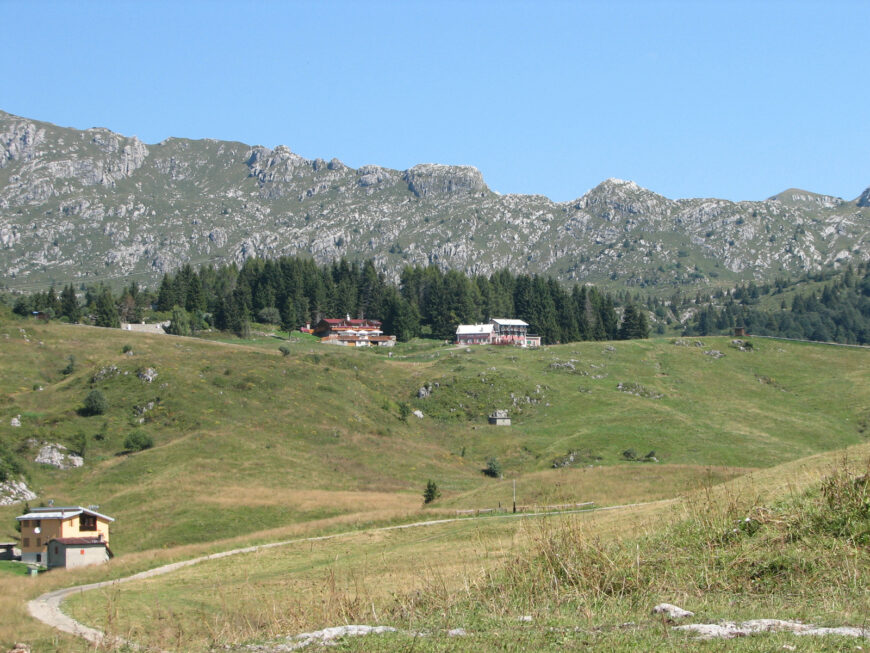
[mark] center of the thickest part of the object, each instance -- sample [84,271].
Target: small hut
[500,418]
[7,551]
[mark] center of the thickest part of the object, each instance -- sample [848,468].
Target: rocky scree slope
[94,205]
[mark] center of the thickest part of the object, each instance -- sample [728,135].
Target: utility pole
[515,495]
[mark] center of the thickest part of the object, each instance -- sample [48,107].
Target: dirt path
[46,608]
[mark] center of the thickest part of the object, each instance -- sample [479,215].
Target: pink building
[499,331]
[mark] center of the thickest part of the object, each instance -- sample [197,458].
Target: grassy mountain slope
[247,440]
[788,543]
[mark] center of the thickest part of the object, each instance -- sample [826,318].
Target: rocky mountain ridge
[92,205]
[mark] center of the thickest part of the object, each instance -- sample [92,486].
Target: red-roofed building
[352,332]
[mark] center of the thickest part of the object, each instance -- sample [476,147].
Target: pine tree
[106,314]
[179,322]
[69,304]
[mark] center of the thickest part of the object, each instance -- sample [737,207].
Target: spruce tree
[106,311]
[69,304]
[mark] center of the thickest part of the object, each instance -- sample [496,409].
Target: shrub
[284,349]
[95,403]
[629,454]
[493,467]
[269,315]
[179,322]
[70,365]
[10,466]
[431,492]
[138,441]
[127,348]
[78,444]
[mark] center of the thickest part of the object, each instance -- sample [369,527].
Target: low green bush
[138,441]
[95,403]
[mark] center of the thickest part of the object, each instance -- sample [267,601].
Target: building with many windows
[47,530]
[499,331]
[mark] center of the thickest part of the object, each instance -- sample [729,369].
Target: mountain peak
[427,179]
[798,197]
[864,198]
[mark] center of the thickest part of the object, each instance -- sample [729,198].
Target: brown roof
[79,541]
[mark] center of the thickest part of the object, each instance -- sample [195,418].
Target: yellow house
[42,525]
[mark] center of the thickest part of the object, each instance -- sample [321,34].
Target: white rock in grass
[456,632]
[12,491]
[672,611]
[327,637]
[418,414]
[728,630]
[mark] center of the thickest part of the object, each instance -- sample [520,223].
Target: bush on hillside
[284,349]
[10,465]
[138,441]
[269,315]
[78,444]
[431,492]
[179,322]
[493,467]
[95,403]
[70,366]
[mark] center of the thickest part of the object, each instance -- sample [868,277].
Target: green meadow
[251,445]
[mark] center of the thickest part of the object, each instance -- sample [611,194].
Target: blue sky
[719,99]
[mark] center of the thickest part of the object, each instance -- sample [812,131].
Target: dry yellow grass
[310,500]
[361,577]
[608,485]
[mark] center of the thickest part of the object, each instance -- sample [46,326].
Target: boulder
[57,455]
[148,374]
[672,611]
[14,492]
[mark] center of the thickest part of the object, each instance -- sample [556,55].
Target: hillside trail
[47,607]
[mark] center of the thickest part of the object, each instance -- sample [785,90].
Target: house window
[87,523]
[38,542]
[26,541]
[39,557]
[38,523]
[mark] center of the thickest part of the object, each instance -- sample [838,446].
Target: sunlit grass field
[255,446]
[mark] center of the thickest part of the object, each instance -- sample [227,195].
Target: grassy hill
[247,440]
[252,446]
[788,543]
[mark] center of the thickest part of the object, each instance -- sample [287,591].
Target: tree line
[293,291]
[837,311]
